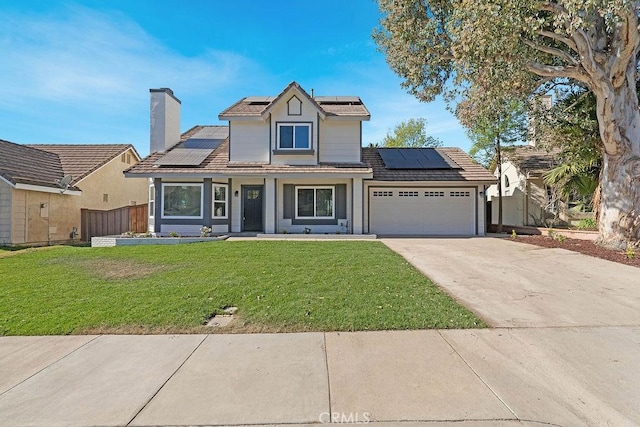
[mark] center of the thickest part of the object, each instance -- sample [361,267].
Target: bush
[587,223]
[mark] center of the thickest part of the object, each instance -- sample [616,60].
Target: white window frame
[214,201]
[295,124]
[152,200]
[183,184]
[315,188]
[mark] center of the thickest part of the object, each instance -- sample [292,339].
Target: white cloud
[92,57]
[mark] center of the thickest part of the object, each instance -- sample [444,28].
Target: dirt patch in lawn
[111,269]
[585,247]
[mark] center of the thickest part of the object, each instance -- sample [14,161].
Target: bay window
[182,200]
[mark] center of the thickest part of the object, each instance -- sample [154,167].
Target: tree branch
[570,72]
[549,6]
[559,38]
[552,51]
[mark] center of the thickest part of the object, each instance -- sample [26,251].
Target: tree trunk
[619,119]
[499,155]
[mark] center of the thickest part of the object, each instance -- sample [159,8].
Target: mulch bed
[584,247]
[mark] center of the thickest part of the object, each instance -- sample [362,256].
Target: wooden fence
[116,221]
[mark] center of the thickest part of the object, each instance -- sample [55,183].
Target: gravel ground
[585,247]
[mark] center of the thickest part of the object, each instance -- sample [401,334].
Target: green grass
[277,286]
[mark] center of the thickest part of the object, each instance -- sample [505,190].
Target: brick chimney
[165,120]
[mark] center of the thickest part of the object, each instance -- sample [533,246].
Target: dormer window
[294,136]
[294,106]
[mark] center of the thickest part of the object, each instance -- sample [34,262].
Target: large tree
[519,47]
[411,133]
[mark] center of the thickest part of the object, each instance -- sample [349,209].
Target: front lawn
[276,285]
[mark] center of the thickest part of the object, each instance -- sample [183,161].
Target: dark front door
[252,208]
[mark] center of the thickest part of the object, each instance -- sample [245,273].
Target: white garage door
[422,211]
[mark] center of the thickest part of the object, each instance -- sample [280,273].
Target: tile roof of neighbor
[80,160]
[533,160]
[469,169]
[255,106]
[217,163]
[20,164]
[44,164]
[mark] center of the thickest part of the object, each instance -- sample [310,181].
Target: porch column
[269,205]
[357,214]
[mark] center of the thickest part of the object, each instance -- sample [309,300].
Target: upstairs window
[294,136]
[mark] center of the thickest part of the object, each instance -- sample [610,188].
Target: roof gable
[260,106]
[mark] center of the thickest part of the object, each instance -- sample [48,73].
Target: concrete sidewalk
[502,377]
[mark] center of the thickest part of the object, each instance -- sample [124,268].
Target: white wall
[517,181]
[340,141]
[165,121]
[249,141]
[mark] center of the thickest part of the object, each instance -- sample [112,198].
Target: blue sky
[80,72]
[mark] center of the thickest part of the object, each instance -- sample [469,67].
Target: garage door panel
[422,211]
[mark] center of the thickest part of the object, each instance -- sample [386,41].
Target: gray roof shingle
[533,160]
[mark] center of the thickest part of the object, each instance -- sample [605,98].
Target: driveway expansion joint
[168,379]
[478,375]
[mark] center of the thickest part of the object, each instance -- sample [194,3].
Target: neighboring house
[294,163]
[526,199]
[44,187]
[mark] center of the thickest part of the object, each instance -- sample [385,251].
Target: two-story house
[294,163]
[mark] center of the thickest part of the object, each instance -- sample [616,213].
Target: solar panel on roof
[184,157]
[212,132]
[415,158]
[207,138]
[205,144]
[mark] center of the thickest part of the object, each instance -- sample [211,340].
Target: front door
[252,208]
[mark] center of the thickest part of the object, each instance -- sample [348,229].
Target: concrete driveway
[511,284]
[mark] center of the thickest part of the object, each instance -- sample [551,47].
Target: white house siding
[340,141]
[280,114]
[524,201]
[5,213]
[250,141]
